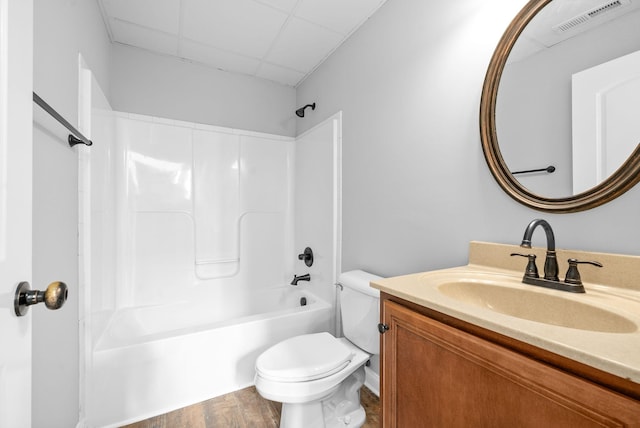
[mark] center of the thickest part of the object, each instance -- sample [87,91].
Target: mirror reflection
[569,96]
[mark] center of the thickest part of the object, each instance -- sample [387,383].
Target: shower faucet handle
[307,256]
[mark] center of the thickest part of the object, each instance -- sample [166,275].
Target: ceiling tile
[217,58]
[242,26]
[283,5]
[279,40]
[279,74]
[302,45]
[163,15]
[142,37]
[338,15]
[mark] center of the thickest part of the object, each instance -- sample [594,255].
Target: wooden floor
[242,409]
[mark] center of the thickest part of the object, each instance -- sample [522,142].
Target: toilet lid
[306,357]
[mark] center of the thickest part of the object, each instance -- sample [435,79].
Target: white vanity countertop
[615,291]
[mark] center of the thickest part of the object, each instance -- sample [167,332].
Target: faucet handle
[307,257]
[573,276]
[531,271]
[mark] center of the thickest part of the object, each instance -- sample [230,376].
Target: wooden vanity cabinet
[436,375]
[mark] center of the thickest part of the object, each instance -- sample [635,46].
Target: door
[16,50]
[605,126]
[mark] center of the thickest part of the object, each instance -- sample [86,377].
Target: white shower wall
[196,206]
[318,203]
[179,208]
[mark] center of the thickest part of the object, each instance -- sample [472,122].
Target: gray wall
[416,187]
[156,85]
[62,28]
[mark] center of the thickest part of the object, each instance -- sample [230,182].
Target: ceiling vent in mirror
[589,15]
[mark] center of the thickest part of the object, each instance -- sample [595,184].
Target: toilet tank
[360,310]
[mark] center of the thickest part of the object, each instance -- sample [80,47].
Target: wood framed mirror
[538,44]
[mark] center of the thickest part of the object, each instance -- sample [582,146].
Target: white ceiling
[562,20]
[278,40]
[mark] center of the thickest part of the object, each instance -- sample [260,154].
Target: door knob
[53,297]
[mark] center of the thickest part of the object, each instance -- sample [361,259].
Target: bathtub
[151,360]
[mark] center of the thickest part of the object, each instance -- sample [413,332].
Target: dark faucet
[305,277]
[551,262]
[572,281]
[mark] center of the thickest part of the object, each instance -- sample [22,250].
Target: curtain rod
[76,136]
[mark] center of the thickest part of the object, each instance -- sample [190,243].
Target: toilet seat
[304,358]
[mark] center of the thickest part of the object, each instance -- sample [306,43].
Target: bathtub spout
[296,278]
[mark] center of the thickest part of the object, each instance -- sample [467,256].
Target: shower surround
[189,239]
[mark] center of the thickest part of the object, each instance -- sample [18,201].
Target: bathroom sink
[599,328]
[539,306]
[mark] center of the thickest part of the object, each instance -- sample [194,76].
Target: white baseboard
[372,381]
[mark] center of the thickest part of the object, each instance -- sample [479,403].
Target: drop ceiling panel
[283,5]
[218,58]
[302,45]
[242,26]
[338,15]
[279,40]
[161,15]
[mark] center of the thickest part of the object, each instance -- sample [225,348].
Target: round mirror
[561,101]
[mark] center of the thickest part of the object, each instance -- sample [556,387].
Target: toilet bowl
[317,377]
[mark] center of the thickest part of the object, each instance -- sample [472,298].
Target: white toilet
[317,377]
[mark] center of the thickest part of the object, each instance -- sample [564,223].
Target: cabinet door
[434,375]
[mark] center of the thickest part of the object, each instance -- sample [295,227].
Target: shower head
[300,111]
